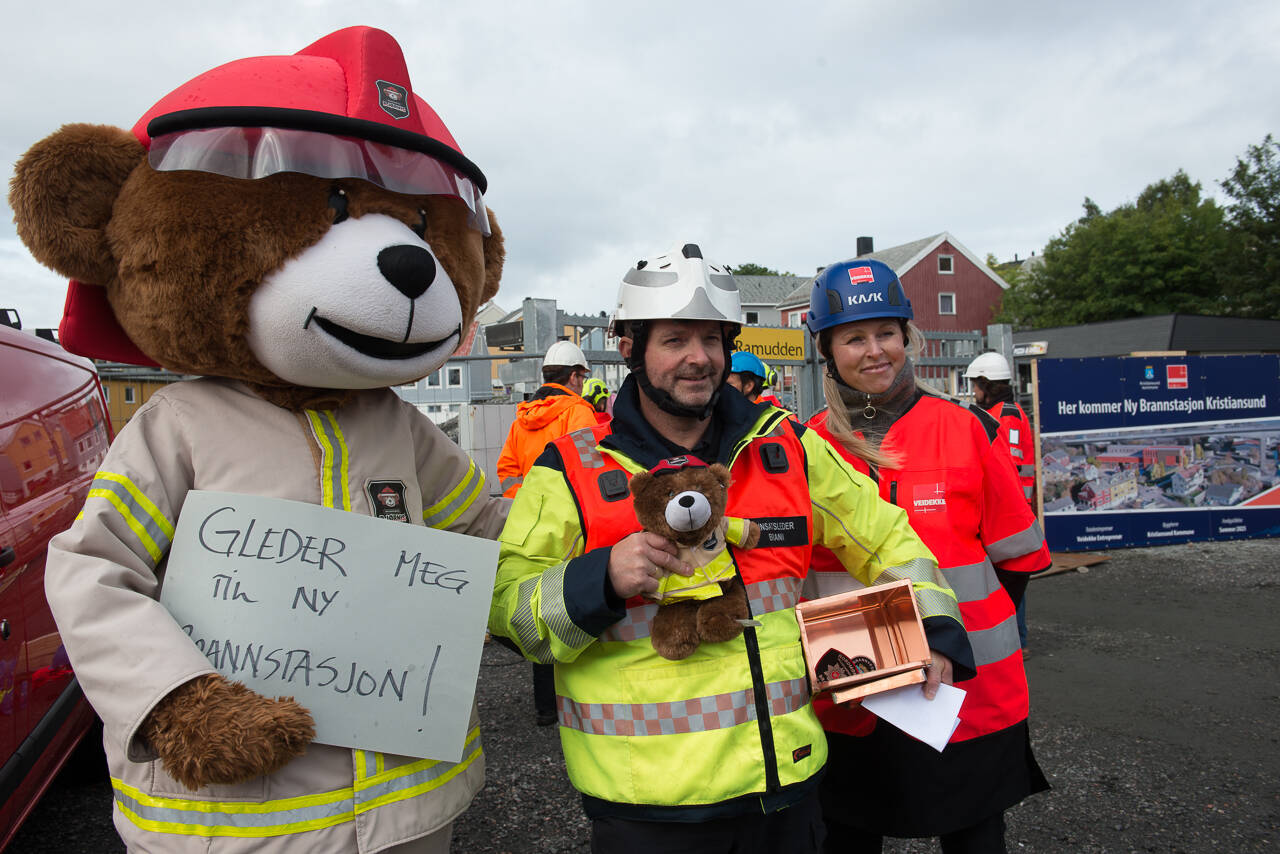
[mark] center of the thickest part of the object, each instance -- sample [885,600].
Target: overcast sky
[774,133]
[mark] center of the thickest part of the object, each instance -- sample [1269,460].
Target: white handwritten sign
[375,626]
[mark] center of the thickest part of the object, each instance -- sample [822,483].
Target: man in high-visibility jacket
[992,390]
[596,392]
[720,750]
[555,410]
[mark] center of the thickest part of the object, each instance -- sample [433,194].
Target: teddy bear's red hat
[352,83]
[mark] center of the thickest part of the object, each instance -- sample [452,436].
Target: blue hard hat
[861,289]
[746,362]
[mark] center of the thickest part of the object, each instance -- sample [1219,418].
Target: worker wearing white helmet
[993,391]
[577,574]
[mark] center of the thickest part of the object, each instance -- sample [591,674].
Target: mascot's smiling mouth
[381,348]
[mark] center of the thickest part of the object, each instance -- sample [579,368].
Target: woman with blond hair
[944,463]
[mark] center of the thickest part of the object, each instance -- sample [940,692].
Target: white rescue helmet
[678,285]
[989,365]
[565,354]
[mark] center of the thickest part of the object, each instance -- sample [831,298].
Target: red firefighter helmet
[342,107]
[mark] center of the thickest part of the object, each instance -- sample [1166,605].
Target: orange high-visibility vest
[1016,430]
[963,499]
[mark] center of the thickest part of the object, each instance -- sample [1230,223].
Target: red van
[54,433]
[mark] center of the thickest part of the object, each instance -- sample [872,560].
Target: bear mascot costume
[303,232]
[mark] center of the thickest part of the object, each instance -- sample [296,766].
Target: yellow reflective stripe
[334,808]
[334,459]
[361,764]
[434,781]
[380,763]
[142,500]
[137,527]
[453,493]
[445,512]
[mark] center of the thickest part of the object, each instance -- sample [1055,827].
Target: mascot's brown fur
[682,624]
[180,254]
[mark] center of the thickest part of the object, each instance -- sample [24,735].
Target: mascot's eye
[421,228]
[338,201]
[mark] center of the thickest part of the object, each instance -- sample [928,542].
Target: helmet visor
[256,152]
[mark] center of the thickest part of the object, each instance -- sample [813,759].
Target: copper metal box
[864,641]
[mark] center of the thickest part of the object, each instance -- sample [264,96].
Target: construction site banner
[775,345]
[1154,450]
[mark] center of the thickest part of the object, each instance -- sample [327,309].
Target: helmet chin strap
[662,399]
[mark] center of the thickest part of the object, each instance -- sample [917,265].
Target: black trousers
[794,830]
[984,837]
[544,689]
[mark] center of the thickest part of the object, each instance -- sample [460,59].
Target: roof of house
[902,258]
[768,290]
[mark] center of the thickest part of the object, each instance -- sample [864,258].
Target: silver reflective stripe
[973,582]
[765,597]
[526,628]
[510,482]
[333,459]
[1026,492]
[820,584]
[1022,543]
[650,278]
[697,714]
[996,643]
[210,818]
[374,794]
[1028,470]
[140,513]
[445,511]
[584,440]
[554,612]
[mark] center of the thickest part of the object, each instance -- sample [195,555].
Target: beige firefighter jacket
[103,582]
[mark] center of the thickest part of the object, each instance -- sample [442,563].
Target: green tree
[1159,254]
[1252,273]
[755,270]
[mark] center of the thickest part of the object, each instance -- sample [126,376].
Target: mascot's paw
[674,633]
[718,618]
[753,536]
[210,730]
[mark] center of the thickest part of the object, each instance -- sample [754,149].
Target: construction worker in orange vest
[991,378]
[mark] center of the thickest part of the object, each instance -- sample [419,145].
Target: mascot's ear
[62,192]
[721,474]
[495,253]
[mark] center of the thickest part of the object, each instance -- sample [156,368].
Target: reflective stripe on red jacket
[964,501]
[1016,430]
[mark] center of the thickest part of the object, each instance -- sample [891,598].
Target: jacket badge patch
[929,497]
[386,499]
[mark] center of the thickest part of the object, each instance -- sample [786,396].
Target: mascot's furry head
[354,257]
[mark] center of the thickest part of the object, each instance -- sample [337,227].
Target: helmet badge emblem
[393,99]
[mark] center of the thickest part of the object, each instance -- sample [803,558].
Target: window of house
[946,264]
[433,408]
[753,317]
[455,377]
[796,318]
[434,379]
[128,394]
[106,393]
[946,303]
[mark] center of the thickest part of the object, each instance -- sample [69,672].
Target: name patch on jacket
[386,497]
[782,531]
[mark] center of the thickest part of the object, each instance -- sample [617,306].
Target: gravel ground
[1154,714]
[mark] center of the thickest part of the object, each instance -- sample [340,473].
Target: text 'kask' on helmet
[861,289]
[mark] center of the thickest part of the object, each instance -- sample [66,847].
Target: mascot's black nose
[686,500]
[410,268]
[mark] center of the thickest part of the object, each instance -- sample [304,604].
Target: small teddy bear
[684,499]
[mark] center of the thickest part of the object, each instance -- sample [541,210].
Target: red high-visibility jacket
[1016,430]
[963,499]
